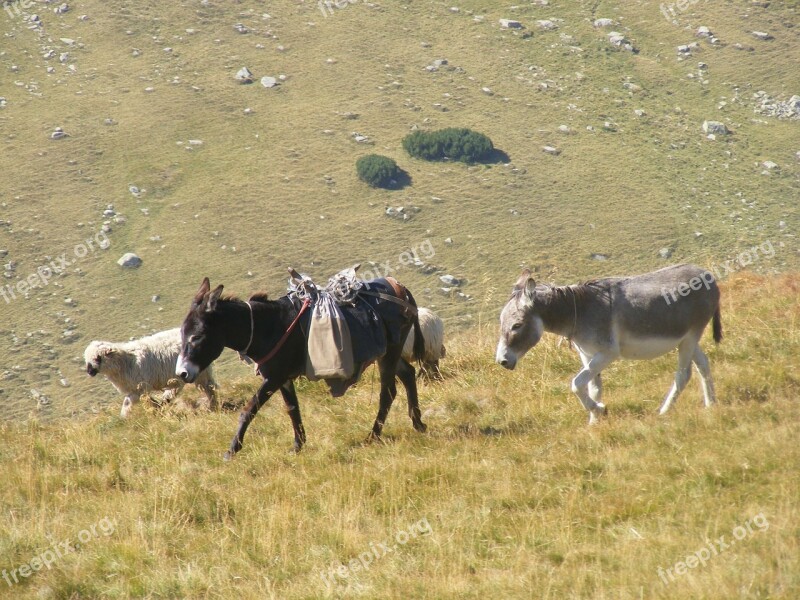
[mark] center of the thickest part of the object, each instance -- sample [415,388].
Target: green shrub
[377,170]
[454,143]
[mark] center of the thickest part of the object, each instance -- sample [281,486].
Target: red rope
[282,341]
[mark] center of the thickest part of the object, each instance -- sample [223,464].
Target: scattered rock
[61,9]
[551,150]
[134,190]
[768,164]
[244,75]
[715,127]
[450,280]
[129,261]
[615,38]
[762,35]
[510,24]
[599,256]
[665,252]
[404,213]
[361,139]
[546,24]
[448,241]
[269,82]
[239,28]
[603,22]
[58,134]
[639,112]
[703,32]
[155,298]
[770,107]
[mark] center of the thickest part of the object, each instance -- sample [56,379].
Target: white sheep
[145,365]
[432,329]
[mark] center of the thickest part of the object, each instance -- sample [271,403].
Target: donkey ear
[523,280]
[211,302]
[526,283]
[204,287]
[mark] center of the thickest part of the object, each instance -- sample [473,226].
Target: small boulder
[715,127]
[129,261]
[762,35]
[450,280]
[244,75]
[603,22]
[269,82]
[510,24]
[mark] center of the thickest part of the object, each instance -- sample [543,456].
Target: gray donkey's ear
[526,284]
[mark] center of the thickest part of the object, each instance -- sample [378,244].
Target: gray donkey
[639,317]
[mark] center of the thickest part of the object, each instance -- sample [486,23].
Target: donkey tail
[717,326]
[419,340]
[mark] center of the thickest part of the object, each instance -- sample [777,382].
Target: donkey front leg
[388,370]
[293,408]
[406,374]
[248,414]
[591,375]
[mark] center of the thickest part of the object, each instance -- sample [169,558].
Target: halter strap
[252,330]
[282,341]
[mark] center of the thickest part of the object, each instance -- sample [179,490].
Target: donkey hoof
[228,456]
[421,427]
[296,448]
[373,438]
[597,413]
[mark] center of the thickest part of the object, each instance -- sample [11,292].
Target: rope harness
[345,290]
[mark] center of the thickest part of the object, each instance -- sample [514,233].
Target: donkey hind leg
[405,372]
[686,350]
[248,414]
[387,366]
[587,385]
[596,390]
[701,362]
[293,408]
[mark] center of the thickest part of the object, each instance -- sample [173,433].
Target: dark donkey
[266,331]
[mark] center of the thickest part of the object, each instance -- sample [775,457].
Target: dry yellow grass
[516,496]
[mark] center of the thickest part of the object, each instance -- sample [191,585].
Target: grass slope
[516,495]
[277,187]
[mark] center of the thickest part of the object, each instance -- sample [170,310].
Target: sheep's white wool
[145,365]
[432,332]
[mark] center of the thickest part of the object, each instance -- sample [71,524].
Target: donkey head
[202,336]
[521,327]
